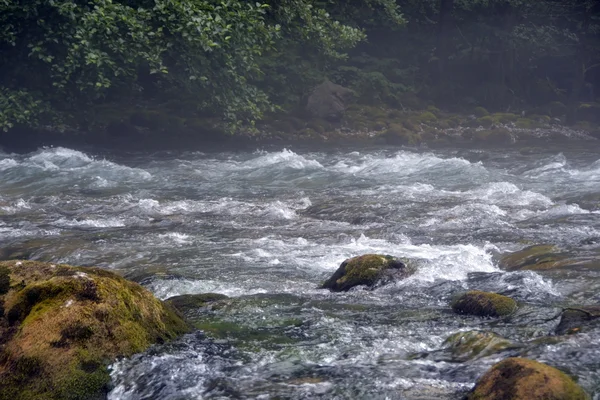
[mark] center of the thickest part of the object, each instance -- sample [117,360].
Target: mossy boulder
[535,258]
[369,270]
[480,112]
[471,345]
[190,302]
[426,117]
[527,123]
[397,135]
[578,319]
[483,304]
[64,325]
[524,379]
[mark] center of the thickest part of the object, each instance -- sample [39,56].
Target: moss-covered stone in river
[368,270]
[483,304]
[524,379]
[578,319]
[536,258]
[63,325]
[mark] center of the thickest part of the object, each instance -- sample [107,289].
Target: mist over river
[268,227]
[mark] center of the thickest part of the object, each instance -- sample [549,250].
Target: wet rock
[63,325]
[471,345]
[578,319]
[190,302]
[523,379]
[536,258]
[483,304]
[328,101]
[370,270]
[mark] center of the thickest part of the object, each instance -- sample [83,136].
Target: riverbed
[267,226]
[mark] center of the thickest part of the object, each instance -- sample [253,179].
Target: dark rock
[523,379]
[4,280]
[483,304]
[328,101]
[187,302]
[370,270]
[575,320]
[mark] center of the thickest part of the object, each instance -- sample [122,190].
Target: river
[266,227]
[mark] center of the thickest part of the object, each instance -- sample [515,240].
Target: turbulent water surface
[267,227]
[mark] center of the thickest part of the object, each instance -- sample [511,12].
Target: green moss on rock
[480,112]
[65,324]
[527,123]
[426,116]
[397,135]
[483,304]
[524,379]
[368,270]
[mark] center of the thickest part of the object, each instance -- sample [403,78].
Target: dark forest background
[81,64]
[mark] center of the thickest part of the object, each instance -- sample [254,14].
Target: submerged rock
[471,345]
[63,325]
[538,257]
[369,270]
[189,302]
[523,379]
[483,304]
[575,320]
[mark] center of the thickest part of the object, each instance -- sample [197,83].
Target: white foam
[285,158]
[7,163]
[178,238]
[91,223]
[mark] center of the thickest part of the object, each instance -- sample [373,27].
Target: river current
[266,227]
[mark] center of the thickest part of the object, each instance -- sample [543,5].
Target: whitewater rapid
[266,227]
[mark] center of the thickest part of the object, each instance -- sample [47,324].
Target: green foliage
[229,56]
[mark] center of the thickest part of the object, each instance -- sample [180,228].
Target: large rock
[523,379]
[328,100]
[483,304]
[62,326]
[369,270]
[578,319]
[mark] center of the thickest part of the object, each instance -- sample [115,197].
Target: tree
[59,57]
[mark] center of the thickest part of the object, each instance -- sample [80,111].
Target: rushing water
[266,227]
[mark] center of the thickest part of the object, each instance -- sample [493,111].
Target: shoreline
[361,126]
